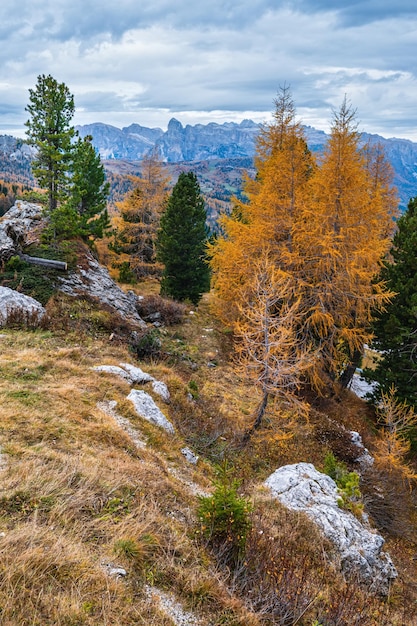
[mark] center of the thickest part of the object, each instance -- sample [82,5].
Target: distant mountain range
[213,142]
[228,147]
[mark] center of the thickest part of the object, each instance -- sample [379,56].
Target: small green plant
[225,516]
[146,345]
[193,387]
[128,548]
[347,483]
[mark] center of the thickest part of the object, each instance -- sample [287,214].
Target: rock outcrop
[18,307]
[93,280]
[18,226]
[135,375]
[302,488]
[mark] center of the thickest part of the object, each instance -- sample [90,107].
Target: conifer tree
[395,328]
[137,222]
[88,189]
[182,241]
[70,170]
[49,129]
[263,224]
[325,228]
[339,243]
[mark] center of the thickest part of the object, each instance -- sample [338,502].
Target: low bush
[347,483]
[225,518]
[146,345]
[164,310]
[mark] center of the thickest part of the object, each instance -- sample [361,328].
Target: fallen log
[34,260]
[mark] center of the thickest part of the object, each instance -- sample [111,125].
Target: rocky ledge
[301,487]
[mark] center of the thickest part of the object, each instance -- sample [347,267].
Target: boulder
[146,408]
[301,487]
[23,220]
[93,280]
[135,375]
[17,306]
[114,370]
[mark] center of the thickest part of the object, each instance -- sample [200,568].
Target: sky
[146,61]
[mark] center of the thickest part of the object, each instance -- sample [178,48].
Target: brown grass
[76,493]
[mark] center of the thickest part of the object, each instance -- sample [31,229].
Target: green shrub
[347,483]
[225,517]
[146,345]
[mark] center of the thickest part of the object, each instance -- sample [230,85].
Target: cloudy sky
[146,61]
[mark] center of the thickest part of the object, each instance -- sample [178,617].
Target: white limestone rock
[15,303]
[361,387]
[301,487]
[115,571]
[20,220]
[146,408]
[161,389]
[115,370]
[189,456]
[136,374]
[364,458]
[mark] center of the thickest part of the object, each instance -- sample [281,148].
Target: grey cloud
[359,12]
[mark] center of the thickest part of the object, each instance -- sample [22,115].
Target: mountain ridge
[208,143]
[231,140]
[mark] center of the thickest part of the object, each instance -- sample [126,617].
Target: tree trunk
[347,375]
[260,412]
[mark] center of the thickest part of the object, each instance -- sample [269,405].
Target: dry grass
[77,493]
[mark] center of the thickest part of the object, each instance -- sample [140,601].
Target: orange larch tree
[137,220]
[323,230]
[262,225]
[339,243]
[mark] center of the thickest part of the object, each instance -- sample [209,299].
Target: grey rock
[115,370]
[136,374]
[114,570]
[161,389]
[96,282]
[17,227]
[189,456]
[145,407]
[364,458]
[302,488]
[13,302]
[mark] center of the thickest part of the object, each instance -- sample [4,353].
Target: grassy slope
[76,493]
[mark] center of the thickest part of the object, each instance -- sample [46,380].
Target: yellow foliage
[396,419]
[325,227]
[136,221]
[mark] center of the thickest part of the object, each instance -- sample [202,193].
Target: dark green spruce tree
[396,328]
[181,242]
[88,189]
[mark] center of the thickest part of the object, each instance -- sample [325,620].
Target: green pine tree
[396,328]
[88,189]
[182,240]
[49,129]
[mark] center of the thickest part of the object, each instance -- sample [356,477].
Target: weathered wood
[34,260]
